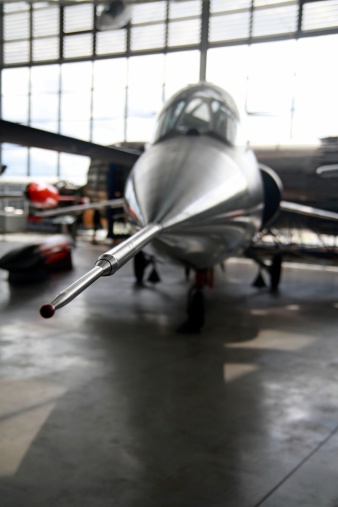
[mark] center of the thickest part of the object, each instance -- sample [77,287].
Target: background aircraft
[197,195]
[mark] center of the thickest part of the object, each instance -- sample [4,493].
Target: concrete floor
[105,405]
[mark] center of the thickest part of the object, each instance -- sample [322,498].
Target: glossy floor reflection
[105,405]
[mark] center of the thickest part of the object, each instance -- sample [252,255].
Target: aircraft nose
[207,197]
[182,177]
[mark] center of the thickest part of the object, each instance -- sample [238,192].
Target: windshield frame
[170,120]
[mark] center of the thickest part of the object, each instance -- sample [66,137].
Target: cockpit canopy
[201,109]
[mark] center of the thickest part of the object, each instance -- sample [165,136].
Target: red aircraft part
[55,250]
[42,195]
[32,263]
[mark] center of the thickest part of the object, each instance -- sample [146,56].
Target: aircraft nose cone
[206,195]
[182,177]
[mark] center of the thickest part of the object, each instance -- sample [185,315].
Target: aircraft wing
[300,209]
[70,210]
[293,251]
[32,137]
[306,244]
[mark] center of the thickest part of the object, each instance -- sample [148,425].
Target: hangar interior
[105,404]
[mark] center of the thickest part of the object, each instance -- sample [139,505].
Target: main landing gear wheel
[195,312]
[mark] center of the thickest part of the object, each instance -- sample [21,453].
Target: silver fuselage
[206,194]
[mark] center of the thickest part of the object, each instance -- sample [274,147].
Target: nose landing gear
[141,261]
[196,303]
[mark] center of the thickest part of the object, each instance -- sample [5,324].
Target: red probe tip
[47,311]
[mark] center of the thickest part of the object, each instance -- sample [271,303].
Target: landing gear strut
[196,303]
[274,271]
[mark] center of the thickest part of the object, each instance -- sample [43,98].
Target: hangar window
[230,26]
[279,53]
[15,158]
[276,20]
[78,18]
[16,26]
[183,32]
[111,41]
[319,15]
[46,21]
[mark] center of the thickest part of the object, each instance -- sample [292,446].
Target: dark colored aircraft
[196,196]
[309,174]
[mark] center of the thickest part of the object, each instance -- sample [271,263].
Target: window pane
[148,105]
[321,14]
[185,32]
[181,69]
[45,49]
[229,26]
[140,129]
[271,77]
[108,131]
[145,94]
[227,68]
[147,70]
[16,7]
[78,18]
[15,81]
[45,79]
[43,162]
[147,13]
[15,86]
[16,52]
[110,75]
[44,108]
[16,159]
[16,26]
[316,102]
[75,106]
[76,77]
[15,108]
[46,21]
[109,94]
[111,42]
[110,105]
[185,9]
[260,129]
[275,20]
[148,37]
[75,46]
[74,168]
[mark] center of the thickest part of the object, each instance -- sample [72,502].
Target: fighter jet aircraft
[196,196]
